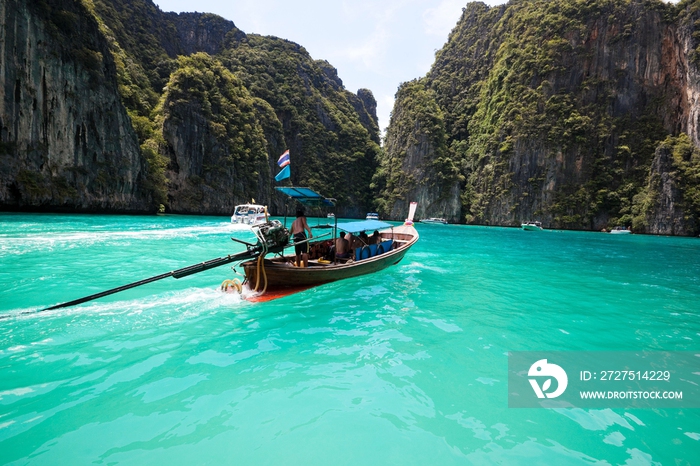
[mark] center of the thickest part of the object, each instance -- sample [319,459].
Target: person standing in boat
[298,233]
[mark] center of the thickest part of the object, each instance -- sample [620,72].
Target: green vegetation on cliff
[686,157]
[682,175]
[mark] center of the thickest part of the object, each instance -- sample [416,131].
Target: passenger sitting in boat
[319,250]
[364,238]
[375,239]
[342,247]
[301,250]
[354,243]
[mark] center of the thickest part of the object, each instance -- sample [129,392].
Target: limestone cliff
[116,106]
[332,151]
[670,203]
[666,217]
[66,141]
[365,105]
[298,103]
[553,110]
[417,128]
[214,140]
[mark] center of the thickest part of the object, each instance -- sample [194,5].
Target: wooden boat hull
[270,295]
[282,274]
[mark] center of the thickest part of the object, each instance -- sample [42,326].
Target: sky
[374,44]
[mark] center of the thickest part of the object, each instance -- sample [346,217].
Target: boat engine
[273,235]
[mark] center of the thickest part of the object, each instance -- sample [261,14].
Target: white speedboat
[434,220]
[372,216]
[532,226]
[620,231]
[249,214]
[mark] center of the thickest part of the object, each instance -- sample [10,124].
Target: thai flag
[284,159]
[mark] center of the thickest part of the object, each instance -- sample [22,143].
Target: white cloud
[370,51]
[379,21]
[439,21]
[256,14]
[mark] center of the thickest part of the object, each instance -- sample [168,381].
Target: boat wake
[31,242]
[170,306]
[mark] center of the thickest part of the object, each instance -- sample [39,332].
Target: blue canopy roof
[306,196]
[363,225]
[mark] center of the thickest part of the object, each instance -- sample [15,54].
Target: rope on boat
[261,262]
[261,271]
[261,266]
[230,285]
[236,284]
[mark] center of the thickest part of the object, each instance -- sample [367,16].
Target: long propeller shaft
[179,273]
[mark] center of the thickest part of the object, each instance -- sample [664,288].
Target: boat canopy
[306,196]
[363,225]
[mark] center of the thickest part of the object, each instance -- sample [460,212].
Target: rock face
[684,55]
[551,111]
[666,217]
[365,105]
[202,32]
[66,141]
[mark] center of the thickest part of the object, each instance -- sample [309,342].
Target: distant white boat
[249,214]
[532,226]
[620,231]
[330,215]
[434,220]
[372,216]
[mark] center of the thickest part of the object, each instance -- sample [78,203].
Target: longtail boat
[271,278]
[267,279]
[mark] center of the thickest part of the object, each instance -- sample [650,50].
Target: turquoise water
[407,366]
